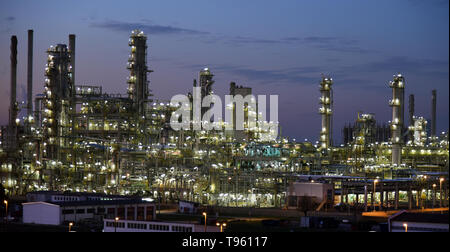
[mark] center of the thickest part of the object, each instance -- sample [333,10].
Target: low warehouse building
[41,213]
[58,213]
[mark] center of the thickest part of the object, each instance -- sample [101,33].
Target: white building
[61,212]
[124,226]
[41,213]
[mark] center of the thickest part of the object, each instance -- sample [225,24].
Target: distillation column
[72,98]
[72,61]
[138,89]
[411,119]
[398,108]
[30,77]
[13,97]
[433,114]
[206,81]
[326,112]
[56,100]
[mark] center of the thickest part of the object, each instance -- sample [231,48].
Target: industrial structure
[326,110]
[398,117]
[78,138]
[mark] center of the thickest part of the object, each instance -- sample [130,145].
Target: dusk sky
[276,47]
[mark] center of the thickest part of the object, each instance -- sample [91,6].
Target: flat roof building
[71,209]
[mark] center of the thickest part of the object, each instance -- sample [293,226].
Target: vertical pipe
[433,113]
[326,101]
[72,59]
[411,117]
[397,196]
[381,196]
[72,81]
[365,199]
[37,109]
[30,75]
[12,106]
[411,109]
[397,104]
[410,198]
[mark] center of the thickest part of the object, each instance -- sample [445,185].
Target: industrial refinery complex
[79,139]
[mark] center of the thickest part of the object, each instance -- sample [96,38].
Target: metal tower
[138,89]
[58,93]
[206,81]
[398,112]
[326,101]
[433,113]
[13,97]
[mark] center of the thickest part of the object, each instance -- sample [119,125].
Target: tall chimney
[433,113]
[72,60]
[411,109]
[30,74]
[12,106]
[411,117]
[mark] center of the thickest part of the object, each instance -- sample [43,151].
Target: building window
[130,213]
[121,213]
[68,211]
[140,213]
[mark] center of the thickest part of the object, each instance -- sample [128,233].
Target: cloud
[6,24]
[335,44]
[146,27]
[292,76]
[250,40]
[405,64]
[348,76]
[324,43]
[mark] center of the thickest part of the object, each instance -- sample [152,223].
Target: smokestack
[411,117]
[30,74]
[411,109]
[12,106]
[72,59]
[433,113]
[72,81]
